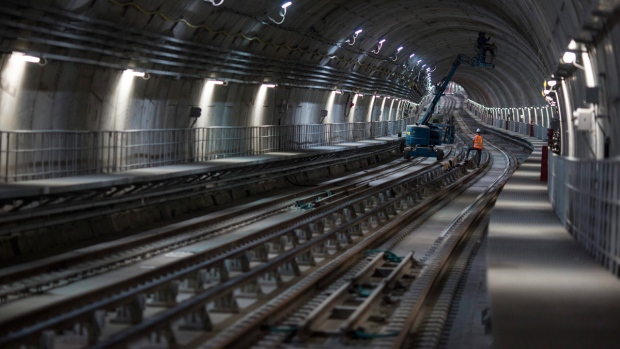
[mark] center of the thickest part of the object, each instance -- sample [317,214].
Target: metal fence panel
[361,130]
[27,155]
[584,194]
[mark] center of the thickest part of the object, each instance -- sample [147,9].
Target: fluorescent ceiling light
[31,59]
[270,85]
[552,83]
[216,82]
[358,31]
[569,57]
[139,74]
[382,41]
[285,5]
[26,58]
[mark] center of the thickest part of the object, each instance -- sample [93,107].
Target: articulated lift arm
[423,138]
[429,111]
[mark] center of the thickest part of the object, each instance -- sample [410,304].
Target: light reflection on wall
[568,119]
[354,101]
[390,112]
[258,116]
[205,103]
[370,108]
[123,96]
[599,137]
[383,118]
[10,83]
[329,107]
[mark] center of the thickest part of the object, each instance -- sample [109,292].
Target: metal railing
[584,194]
[29,155]
[540,131]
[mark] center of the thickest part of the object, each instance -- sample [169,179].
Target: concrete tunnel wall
[505,79]
[69,96]
[525,59]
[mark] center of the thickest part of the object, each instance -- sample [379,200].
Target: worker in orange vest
[477,146]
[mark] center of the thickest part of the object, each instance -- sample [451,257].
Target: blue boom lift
[423,138]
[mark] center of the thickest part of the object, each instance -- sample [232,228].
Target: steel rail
[237,335]
[156,192]
[414,298]
[208,226]
[429,333]
[189,263]
[150,244]
[303,330]
[321,313]
[237,332]
[421,214]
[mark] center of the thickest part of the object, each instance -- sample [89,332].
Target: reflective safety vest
[478,142]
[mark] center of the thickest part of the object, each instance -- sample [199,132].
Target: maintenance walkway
[545,290]
[55,186]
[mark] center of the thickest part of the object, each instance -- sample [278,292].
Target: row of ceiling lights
[351,41]
[362,95]
[498,109]
[145,75]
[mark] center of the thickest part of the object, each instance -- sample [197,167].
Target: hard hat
[478,130]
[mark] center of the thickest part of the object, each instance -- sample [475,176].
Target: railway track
[189,290]
[32,212]
[37,277]
[406,303]
[350,190]
[318,235]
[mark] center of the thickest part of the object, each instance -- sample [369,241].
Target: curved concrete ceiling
[530,35]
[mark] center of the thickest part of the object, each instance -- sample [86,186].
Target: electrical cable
[389,255]
[367,335]
[346,61]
